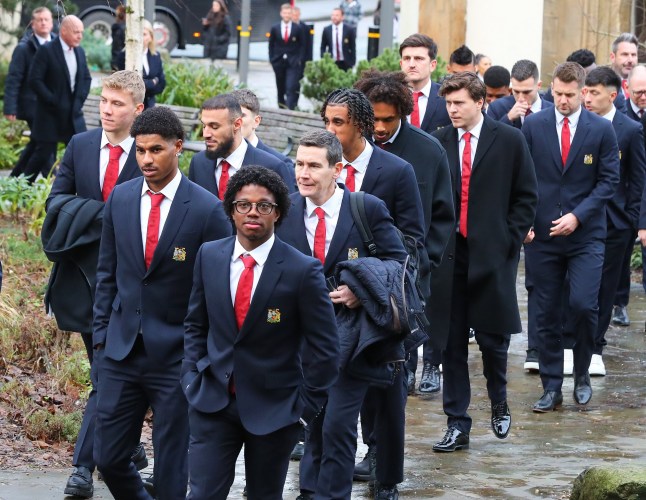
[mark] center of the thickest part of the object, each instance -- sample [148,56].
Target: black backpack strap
[358,208]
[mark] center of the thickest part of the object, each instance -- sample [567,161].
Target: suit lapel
[487,136]
[431,104]
[222,270]
[176,215]
[549,129]
[270,276]
[58,50]
[373,171]
[450,142]
[130,168]
[582,129]
[297,226]
[133,215]
[343,227]
[94,159]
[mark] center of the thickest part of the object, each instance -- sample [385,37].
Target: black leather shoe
[430,381]
[362,469]
[305,496]
[620,316]
[582,389]
[139,458]
[149,485]
[410,383]
[383,492]
[80,483]
[298,451]
[550,401]
[500,420]
[453,440]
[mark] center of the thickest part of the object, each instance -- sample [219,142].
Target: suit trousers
[532,337]
[287,83]
[552,261]
[456,394]
[41,160]
[327,466]
[622,297]
[84,448]
[126,389]
[619,243]
[215,443]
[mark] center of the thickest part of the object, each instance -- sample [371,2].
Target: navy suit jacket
[393,181]
[623,208]
[156,70]
[130,298]
[586,183]
[621,103]
[348,44]
[60,111]
[202,168]
[346,242]
[290,309]
[79,173]
[436,116]
[286,160]
[291,52]
[500,107]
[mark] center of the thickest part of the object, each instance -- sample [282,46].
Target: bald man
[61,79]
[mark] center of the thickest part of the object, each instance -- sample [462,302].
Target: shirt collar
[426,89]
[573,119]
[236,158]
[610,115]
[259,254]
[636,108]
[475,131]
[360,164]
[331,207]
[537,105]
[394,136]
[169,190]
[253,141]
[42,40]
[126,144]
[64,45]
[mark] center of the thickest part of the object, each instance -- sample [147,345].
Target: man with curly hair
[153,227]
[242,373]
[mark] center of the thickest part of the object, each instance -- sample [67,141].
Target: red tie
[286,35]
[112,172]
[319,236]
[414,116]
[243,292]
[224,178]
[152,232]
[383,145]
[624,87]
[349,177]
[565,140]
[466,176]
[338,45]
[528,112]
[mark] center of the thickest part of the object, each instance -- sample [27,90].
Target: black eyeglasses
[263,207]
[639,93]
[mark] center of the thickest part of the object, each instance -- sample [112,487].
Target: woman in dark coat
[118,61]
[217,31]
[153,70]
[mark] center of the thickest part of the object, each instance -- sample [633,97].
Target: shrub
[190,84]
[97,51]
[21,200]
[11,142]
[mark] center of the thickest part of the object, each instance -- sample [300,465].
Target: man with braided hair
[347,113]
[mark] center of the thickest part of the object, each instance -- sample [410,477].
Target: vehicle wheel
[99,23]
[166,33]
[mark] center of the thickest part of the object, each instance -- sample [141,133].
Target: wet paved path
[540,458]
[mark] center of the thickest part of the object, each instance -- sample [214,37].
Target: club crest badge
[179,254]
[353,253]
[587,159]
[273,315]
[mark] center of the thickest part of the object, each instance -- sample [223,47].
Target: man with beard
[226,151]
[623,58]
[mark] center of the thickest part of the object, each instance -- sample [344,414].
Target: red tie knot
[566,121]
[115,151]
[416,95]
[225,165]
[155,198]
[467,137]
[320,213]
[248,261]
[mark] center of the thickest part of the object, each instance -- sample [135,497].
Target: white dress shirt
[169,192]
[104,155]
[259,254]
[144,61]
[70,60]
[636,108]
[41,40]
[475,136]
[331,207]
[337,30]
[360,164]
[573,121]
[610,115]
[235,160]
[422,102]
[282,29]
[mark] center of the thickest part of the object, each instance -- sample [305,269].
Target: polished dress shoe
[410,382]
[620,316]
[383,492]
[582,389]
[500,419]
[430,381]
[550,401]
[531,361]
[139,458]
[79,484]
[362,469]
[453,440]
[298,451]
